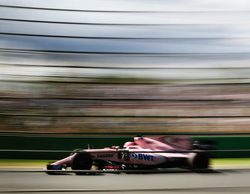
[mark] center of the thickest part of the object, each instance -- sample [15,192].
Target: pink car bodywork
[142,153]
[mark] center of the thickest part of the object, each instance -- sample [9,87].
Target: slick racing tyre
[81,161]
[199,161]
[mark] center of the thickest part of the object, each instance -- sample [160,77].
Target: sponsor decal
[145,157]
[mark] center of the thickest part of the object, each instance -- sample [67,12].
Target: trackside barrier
[44,147]
[130,151]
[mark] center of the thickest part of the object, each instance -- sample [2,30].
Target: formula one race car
[143,153]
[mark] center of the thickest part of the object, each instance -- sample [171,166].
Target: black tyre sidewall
[81,161]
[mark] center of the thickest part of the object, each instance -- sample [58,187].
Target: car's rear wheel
[199,161]
[81,161]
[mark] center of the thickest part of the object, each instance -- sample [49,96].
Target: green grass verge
[4,163]
[231,162]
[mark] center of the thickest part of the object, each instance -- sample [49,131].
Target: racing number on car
[123,155]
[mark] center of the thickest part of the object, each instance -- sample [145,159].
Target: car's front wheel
[81,161]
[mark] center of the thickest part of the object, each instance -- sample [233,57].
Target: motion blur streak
[220,182]
[124,66]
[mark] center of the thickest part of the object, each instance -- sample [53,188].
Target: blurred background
[77,68]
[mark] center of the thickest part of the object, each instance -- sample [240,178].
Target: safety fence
[56,147]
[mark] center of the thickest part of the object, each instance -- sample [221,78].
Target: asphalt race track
[222,181]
